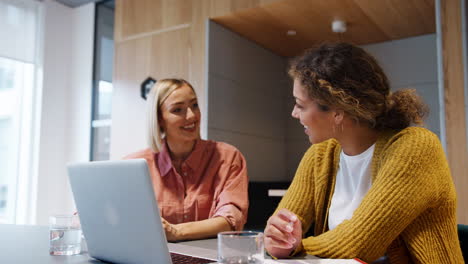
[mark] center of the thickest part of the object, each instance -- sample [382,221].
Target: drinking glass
[65,235]
[240,247]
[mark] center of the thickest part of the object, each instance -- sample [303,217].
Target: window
[18,79]
[5,164]
[102,122]
[19,98]
[102,94]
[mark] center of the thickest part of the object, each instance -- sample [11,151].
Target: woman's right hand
[283,233]
[172,233]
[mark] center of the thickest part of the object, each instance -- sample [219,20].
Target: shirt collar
[164,160]
[192,161]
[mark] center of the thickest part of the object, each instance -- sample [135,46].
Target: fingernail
[293,218]
[289,227]
[292,240]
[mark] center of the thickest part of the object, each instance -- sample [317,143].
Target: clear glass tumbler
[241,247]
[65,235]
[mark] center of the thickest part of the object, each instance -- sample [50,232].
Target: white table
[30,244]
[21,244]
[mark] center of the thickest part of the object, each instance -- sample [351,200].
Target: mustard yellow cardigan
[408,214]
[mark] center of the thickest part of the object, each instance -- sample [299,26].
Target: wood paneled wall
[158,38]
[157,21]
[454,99]
[166,38]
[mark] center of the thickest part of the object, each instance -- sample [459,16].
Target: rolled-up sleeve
[232,202]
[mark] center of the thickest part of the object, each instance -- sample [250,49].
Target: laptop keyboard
[183,259]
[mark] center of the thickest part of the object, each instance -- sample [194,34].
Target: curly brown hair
[344,76]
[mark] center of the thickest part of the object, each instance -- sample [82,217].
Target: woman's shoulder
[223,150]
[415,135]
[324,148]
[416,130]
[410,141]
[221,146]
[141,154]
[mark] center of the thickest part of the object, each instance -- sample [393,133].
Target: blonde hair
[156,97]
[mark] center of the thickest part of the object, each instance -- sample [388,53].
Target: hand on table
[172,233]
[283,233]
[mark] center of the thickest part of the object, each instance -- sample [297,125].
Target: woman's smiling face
[317,120]
[180,115]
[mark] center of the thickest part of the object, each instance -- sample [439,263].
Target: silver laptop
[119,214]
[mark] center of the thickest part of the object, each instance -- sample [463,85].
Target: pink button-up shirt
[213,183]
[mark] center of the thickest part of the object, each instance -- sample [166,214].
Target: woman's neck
[180,150]
[355,139]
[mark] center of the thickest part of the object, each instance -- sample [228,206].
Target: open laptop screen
[118,211]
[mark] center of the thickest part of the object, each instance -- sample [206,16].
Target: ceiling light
[291,33]
[338,26]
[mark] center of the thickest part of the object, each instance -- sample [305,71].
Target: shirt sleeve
[232,202]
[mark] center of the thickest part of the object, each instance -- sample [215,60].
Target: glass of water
[65,235]
[241,247]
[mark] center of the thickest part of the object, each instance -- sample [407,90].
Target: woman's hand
[195,230]
[283,233]
[172,232]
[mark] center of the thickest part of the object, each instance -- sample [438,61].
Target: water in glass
[65,241]
[240,247]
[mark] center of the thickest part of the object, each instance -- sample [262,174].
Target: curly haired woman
[372,186]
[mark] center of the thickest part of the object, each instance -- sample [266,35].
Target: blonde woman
[200,185]
[372,186]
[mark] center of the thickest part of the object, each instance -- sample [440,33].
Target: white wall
[66,103]
[246,101]
[81,82]
[128,130]
[412,63]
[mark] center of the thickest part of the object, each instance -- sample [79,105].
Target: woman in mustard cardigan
[371,186]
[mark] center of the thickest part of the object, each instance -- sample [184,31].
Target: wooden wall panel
[143,16]
[132,62]
[200,13]
[454,97]
[170,54]
[158,38]
[224,7]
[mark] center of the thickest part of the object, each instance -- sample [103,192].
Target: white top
[353,181]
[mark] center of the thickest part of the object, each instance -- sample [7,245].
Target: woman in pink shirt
[200,185]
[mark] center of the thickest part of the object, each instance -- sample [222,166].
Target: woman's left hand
[283,233]
[172,232]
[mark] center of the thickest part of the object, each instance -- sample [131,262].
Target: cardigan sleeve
[299,197]
[405,186]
